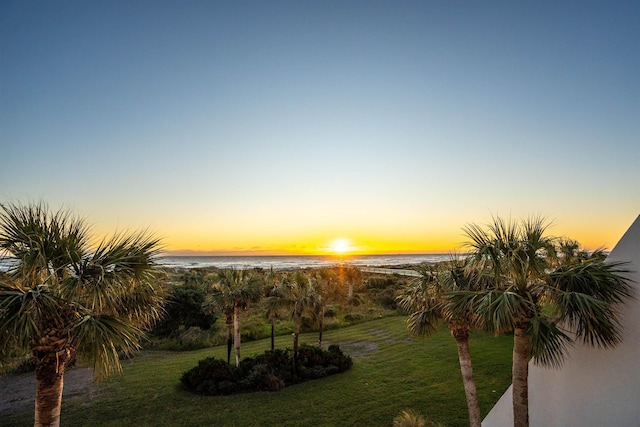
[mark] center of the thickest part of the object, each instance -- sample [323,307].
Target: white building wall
[594,387]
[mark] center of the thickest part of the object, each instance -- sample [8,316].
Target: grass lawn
[391,372]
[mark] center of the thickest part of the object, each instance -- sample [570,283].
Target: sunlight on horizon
[340,246]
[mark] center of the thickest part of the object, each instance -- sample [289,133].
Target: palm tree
[425,299]
[324,286]
[298,295]
[539,297]
[272,302]
[352,275]
[235,289]
[61,298]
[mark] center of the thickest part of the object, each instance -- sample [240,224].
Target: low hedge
[270,371]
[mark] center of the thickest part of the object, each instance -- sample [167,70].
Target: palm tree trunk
[520,377]
[296,334]
[236,331]
[229,323]
[464,356]
[49,384]
[321,327]
[273,322]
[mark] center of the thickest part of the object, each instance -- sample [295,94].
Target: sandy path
[18,392]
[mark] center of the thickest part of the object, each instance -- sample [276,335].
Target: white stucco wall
[594,387]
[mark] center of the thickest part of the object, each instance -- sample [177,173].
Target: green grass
[391,372]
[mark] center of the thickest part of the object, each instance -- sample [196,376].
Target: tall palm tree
[324,285]
[236,289]
[540,297]
[271,300]
[353,276]
[298,295]
[62,298]
[425,299]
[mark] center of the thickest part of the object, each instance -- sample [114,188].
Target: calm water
[283,262]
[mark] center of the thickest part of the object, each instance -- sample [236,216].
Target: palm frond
[495,310]
[424,322]
[594,321]
[104,339]
[39,239]
[604,281]
[26,313]
[548,342]
[587,296]
[58,288]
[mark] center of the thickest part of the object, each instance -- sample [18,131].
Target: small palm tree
[324,284]
[62,298]
[235,290]
[538,292]
[353,276]
[298,295]
[425,299]
[271,301]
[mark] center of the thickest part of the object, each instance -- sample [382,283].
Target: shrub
[185,309]
[330,312]
[355,300]
[386,298]
[261,378]
[381,282]
[20,365]
[269,371]
[188,339]
[353,317]
[210,377]
[409,419]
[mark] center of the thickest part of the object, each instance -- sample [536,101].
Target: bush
[212,376]
[261,378]
[353,317]
[269,371]
[382,282]
[330,311]
[192,338]
[386,298]
[19,365]
[355,300]
[185,309]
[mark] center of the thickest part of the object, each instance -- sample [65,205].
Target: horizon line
[178,253]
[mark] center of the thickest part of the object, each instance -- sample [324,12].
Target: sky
[277,127]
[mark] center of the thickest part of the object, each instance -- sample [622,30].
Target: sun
[340,246]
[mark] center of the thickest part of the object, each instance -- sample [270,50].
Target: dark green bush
[185,308]
[269,371]
[353,317]
[261,378]
[192,338]
[330,312]
[386,298]
[210,377]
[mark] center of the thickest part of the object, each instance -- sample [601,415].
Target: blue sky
[278,126]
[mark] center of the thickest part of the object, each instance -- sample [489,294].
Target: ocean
[287,262]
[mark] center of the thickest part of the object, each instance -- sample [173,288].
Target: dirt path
[18,392]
